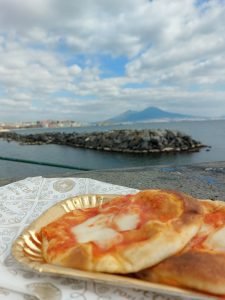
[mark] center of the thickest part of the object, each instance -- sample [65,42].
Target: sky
[91,60]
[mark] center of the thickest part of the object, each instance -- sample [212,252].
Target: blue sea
[211,133]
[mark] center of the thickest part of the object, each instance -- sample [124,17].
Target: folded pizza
[125,235]
[201,264]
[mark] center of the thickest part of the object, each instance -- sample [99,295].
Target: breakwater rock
[133,141]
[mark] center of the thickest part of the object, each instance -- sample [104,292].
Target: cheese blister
[104,229]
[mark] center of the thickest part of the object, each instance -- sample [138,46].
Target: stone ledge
[205,180]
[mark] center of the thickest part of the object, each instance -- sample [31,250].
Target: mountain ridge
[148,114]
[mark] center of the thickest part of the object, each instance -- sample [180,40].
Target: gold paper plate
[27,250]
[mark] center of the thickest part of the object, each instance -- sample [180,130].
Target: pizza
[125,235]
[201,264]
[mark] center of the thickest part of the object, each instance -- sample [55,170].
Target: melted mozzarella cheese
[96,230]
[99,229]
[126,222]
[216,240]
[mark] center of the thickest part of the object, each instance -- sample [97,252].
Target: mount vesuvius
[149,114]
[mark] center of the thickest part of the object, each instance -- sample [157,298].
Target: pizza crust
[125,244]
[202,271]
[200,267]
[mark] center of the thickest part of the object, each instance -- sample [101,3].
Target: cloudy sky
[93,59]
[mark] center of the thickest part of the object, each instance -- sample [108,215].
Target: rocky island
[131,141]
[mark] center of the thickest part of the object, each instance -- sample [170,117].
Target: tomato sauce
[216,218]
[146,207]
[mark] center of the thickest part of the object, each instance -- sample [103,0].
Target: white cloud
[51,56]
[191,45]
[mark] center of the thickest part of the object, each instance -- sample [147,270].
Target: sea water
[211,133]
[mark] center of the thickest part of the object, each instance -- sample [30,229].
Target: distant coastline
[61,125]
[149,115]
